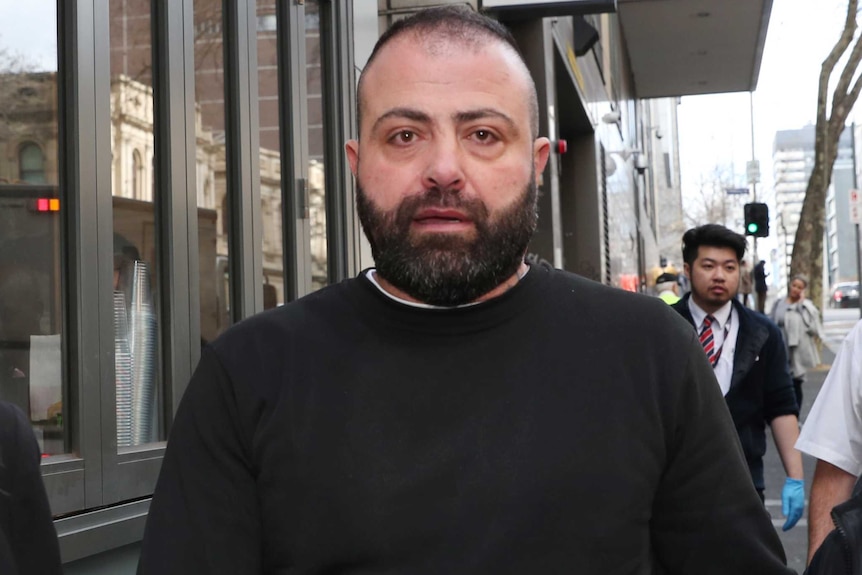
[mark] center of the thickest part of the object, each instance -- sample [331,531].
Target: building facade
[792,162]
[196,146]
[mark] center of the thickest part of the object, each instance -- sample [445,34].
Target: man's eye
[405,136]
[483,136]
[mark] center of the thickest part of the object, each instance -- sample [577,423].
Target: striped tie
[707,340]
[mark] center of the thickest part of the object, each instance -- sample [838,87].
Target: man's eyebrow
[459,117]
[404,113]
[715,261]
[482,113]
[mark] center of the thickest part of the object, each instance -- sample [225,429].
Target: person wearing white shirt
[748,357]
[833,434]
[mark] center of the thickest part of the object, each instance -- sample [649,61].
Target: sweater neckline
[377,307]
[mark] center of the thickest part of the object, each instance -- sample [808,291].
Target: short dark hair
[454,23]
[712,235]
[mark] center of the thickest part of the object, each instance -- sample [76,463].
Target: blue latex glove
[792,501]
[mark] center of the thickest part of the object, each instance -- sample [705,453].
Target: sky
[23,29]
[717,129]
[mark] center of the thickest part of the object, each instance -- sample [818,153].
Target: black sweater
[544,431]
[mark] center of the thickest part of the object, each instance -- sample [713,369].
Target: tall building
[664,176]
[792,162]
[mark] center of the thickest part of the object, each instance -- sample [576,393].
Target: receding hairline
[437,40]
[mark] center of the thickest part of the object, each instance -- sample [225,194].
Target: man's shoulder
[758,327]
[681,307]
[594,293]
[750,319]
[299,316]
[615,307]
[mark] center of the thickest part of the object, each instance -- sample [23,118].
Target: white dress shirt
[725,330]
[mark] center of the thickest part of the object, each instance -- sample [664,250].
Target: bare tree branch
[849,70]
[808,244]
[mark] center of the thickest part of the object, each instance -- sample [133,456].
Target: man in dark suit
[28,542]
[760,287]
[748,357]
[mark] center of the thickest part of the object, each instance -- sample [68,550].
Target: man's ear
[541,153]
[352,149]
[687,270]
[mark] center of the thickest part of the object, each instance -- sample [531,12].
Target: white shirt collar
[371,274]
[721,315]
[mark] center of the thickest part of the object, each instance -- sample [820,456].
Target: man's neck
[508,284]
[709,308]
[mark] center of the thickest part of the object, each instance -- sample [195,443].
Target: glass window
[213,208]
[31,163]
[137,353]
[32,273]
[266,21]
[316,161]
[270,156]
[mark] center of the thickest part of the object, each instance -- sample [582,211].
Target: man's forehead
[440,45]
[440,42]
[722,254]
[492,66]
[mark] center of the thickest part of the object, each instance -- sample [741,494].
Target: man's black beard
[448,269]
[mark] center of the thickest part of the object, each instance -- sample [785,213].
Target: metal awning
[687,47]
[676,47]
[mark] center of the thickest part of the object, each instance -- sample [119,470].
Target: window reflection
[135,262]
[31,270]
[32,164]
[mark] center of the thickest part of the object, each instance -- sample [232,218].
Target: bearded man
[454,409]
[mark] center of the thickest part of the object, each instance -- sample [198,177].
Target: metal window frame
[242,128]
[176,143]
[339,95]
[293,135]
[73,481]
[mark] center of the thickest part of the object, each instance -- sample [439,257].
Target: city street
[836,324]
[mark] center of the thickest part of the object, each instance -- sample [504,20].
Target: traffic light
[757,220]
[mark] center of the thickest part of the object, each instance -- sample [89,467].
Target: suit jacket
[760,388]
[28,541]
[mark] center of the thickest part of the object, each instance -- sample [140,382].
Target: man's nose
[444,169]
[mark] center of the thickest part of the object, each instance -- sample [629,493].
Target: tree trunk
[807,255]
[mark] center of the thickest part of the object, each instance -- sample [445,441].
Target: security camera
[612,117]
[658,133]
[641,164]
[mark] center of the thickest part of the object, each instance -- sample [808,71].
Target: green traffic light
[752,228]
